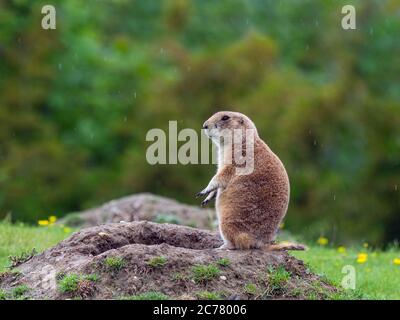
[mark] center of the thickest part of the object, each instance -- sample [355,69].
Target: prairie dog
[250,206]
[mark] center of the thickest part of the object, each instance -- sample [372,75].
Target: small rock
[103,234]
[222,278]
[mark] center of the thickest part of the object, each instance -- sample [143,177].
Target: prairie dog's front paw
[204,192]
[204,202]
[210,196]
[213,185]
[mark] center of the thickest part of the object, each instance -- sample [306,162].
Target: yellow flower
[365,245]
[322,241]
[396,261]
[67,230]
[43,222]
[341,249]
[362,257]
[282,225]
[361,260]
[52,219]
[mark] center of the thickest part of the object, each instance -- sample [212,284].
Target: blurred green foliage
[76,103]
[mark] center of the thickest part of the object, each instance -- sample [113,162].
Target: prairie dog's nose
[205,125]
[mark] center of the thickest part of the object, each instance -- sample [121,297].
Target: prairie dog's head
[227,123]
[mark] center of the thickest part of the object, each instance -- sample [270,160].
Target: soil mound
[143,206]
[145,260]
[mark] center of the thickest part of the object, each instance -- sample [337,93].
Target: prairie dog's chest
[220,160]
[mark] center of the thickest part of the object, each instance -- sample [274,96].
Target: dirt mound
[143,206]
[145,260]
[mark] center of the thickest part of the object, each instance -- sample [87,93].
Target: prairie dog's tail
[245,241]
[284,246]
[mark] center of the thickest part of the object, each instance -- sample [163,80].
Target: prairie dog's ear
[241,121]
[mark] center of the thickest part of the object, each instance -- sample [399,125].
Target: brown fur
[250,207]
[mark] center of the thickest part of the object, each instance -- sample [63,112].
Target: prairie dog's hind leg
[226,246]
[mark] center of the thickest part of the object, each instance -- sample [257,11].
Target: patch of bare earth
[144,259]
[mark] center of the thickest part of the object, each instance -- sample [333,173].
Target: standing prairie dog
[252,203]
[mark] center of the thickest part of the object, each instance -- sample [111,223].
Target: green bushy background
[76,103]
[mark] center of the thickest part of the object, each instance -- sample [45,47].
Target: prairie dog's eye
[224,118]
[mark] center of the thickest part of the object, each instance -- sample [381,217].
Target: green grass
[91,277]
[17,239]
[224,262]
[278,277]
[151,295]
[69,283]
[19,291]
[21,258]
[114,263]
[157,262]
[203,273]
[377,278]
[3,295]
[207,295]
[179,276]
[251,289]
